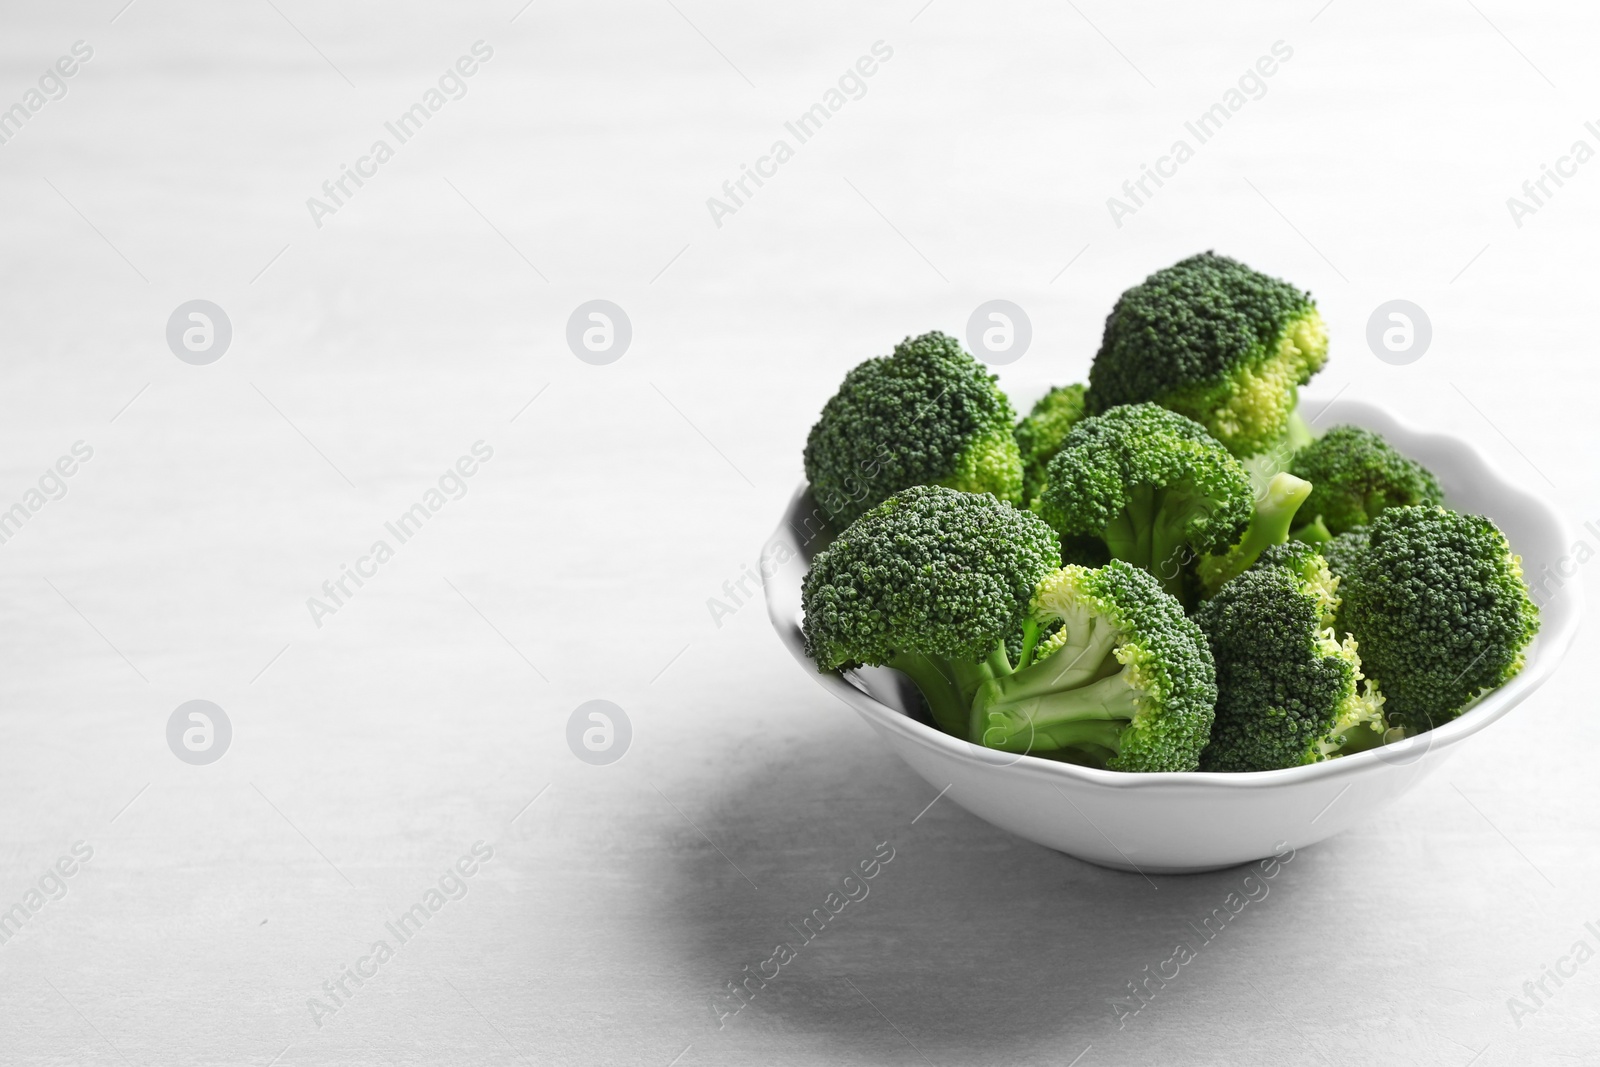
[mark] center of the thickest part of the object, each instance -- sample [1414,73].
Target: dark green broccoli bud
[1088,552]
[1288,689]
[929,414]
[1151,485]
[1125,683]
[1311,570]
[1269,525]
[1355,474]
[930,582]
[1223,344]
[1041,432]
[1340,552]
[1438,603]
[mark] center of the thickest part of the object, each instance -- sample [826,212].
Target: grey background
[367,355]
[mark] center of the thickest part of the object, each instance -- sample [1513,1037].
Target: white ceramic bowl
[1196,821]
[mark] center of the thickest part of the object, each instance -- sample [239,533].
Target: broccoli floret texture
[1126,682]
[1355,474]
[1341,551]
[1287,687]
[931,570]
[1041,433]
[1152,485]
[929,414]
[1217,341]
[1438,603]
[1310,568]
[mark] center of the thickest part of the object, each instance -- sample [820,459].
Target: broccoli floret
[1223,344]
[1269,525]
[929,414]
[930,582]
[1311,570]
[1355,474]
[1288,689]
[1151,485]
[1341,551]
[1438,603]
[1126,682]
[1040,434]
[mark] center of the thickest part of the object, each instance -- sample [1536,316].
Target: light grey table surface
[429,712]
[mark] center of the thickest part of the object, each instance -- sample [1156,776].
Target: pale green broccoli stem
[1074,662]
[1315,532]
[1269,525]
[1030,641]
[950,685]
[1145,535]
[1093,714]
[1170,542]
[1063,701]
[1298,434]
[1137,519]
[938,689]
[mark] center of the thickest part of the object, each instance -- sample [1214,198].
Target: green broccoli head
[1041,432]
[929,414]
[1223,344]
[1151,485]
[1311,570]
[1341,551]
[1287,687]
[1125,682]
[1355,474]
[1438,603]
[931,581]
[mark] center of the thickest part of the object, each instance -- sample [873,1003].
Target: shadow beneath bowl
[970,944]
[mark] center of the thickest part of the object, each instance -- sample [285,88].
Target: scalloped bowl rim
[1559,617]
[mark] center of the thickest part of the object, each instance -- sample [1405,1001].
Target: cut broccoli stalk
[1279,456]
[1125,683]
[1041,710]
[1269,525]
[1315,532]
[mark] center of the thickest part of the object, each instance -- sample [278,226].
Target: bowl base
[1151,869]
